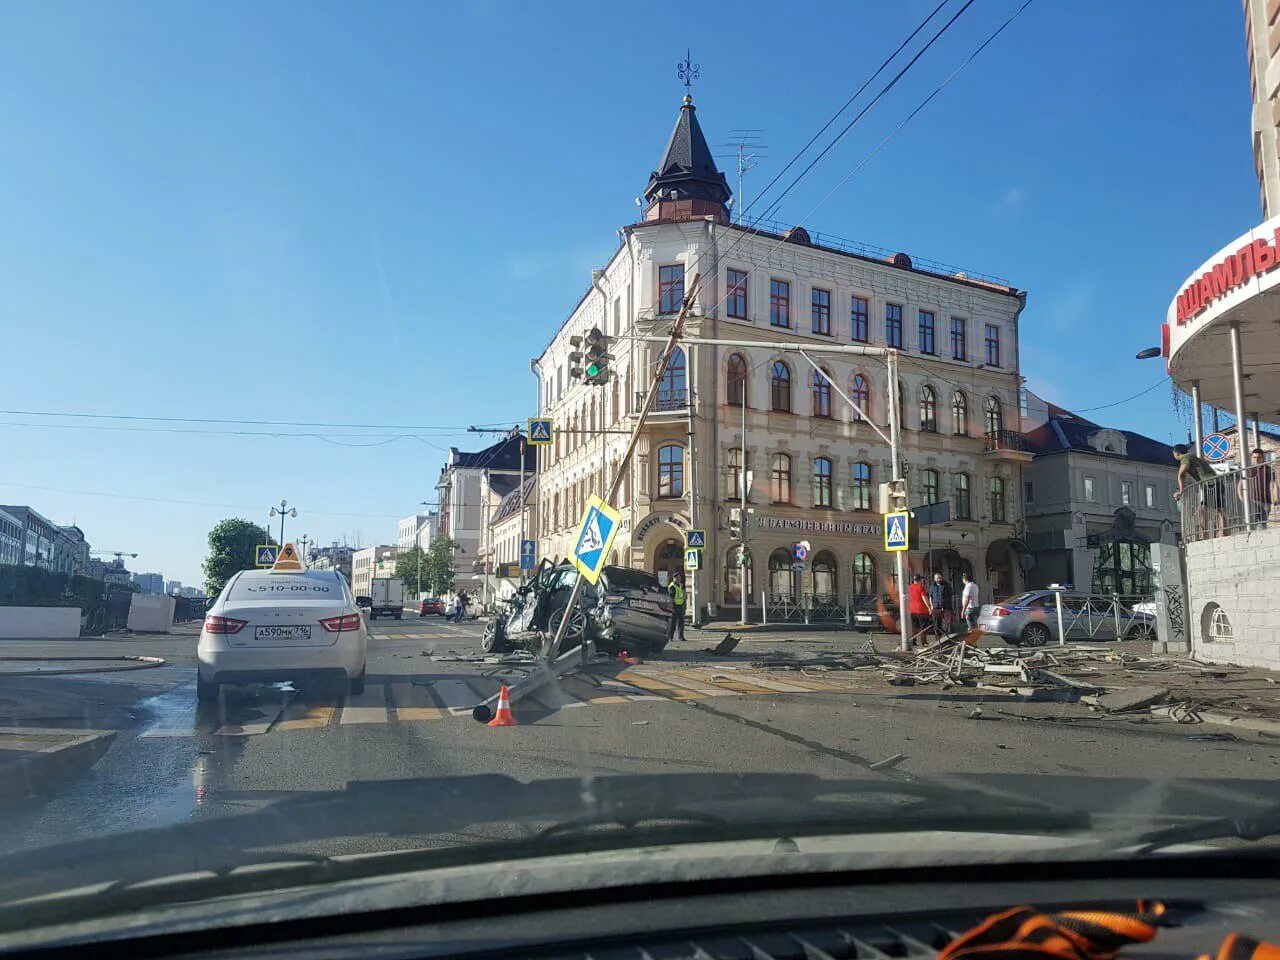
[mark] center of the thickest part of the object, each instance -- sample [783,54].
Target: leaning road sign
[692,558]
[595,535]
[288,561]
[896,530]
[540,431]
[264,554]
[1215,447]
[696,538]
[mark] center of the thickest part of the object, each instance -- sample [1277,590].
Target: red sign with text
[1253,259]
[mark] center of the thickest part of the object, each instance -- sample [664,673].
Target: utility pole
[742,491]
[691,377]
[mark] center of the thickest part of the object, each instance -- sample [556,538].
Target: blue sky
[377,213]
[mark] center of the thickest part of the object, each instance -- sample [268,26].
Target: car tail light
[350,621]
[214,624]
[1000,611]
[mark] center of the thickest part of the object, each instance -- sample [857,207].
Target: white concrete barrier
[39,623]
[150,612]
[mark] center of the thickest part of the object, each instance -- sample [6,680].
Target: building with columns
[815,465]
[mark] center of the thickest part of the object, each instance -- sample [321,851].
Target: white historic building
[815,467]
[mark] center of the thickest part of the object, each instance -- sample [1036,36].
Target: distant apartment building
[173,587]
[10,539]
[333,557]
[1262,43]
[369,563]
[465,502]
[417,531]
[149,582]
[45,544]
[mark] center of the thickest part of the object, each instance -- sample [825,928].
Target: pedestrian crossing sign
[897,530]
[599,526]
[264,554]
[696,538]
[692,558]
[540,432]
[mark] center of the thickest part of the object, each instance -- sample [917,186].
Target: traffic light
[596,371]
[575,358]
[893,496]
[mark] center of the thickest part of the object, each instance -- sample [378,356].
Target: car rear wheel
[494,639]
[1143,631]
[1035,635]
[356,685]
[206,690]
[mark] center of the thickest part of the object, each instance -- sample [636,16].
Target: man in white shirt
[969,602]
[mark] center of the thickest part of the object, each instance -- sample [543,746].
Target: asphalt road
[689,711]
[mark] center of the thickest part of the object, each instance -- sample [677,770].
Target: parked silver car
[1031,619]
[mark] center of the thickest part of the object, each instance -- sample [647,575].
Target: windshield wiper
[1264,824]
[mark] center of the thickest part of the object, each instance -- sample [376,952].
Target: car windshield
[497,431]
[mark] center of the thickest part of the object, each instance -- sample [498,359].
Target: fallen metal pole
[544,672]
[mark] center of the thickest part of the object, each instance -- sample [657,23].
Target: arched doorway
[950,564]
[825,580]
[734,572]
[668,559]
[782,578]
[1008,562]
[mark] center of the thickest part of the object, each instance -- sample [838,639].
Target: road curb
[21,776]
[1256,724]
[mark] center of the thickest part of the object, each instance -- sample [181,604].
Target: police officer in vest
[676,590]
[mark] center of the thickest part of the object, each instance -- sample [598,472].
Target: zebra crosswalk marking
[414,703]
[736,685]
[369,706]
[648,683]
[304,716]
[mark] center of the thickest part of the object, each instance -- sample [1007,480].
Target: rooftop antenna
[748,151]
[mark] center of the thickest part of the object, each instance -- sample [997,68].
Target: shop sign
[839,527]
[1255,258]
[656,519]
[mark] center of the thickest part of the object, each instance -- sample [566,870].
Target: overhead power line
[240,422]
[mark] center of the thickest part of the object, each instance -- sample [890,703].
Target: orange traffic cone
[624,656]
[504,716]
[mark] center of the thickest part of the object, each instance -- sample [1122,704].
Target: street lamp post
[283,511]
[304,540]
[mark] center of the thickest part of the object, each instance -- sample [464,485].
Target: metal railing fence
[1230,503]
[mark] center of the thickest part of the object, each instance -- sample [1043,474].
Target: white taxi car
[282,624]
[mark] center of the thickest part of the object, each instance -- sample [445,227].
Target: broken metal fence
[1104,616]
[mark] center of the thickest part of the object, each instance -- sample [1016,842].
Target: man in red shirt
[918,604]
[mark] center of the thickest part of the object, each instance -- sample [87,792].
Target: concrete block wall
[39,623]
[1240,574]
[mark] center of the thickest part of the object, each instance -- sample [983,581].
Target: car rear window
[285,588]
[627,578]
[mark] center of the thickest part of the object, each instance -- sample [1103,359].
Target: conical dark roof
[687,166]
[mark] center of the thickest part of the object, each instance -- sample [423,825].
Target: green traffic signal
[593,370]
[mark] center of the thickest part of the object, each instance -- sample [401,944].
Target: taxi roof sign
[288,561]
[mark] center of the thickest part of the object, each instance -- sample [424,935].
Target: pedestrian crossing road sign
[591,546]
[540,432]
[528,554]
[896,530]
[692,558]
[696,538]
[264,554]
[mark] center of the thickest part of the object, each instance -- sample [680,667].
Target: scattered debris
[1126,700]
[976,713]
[888,762]
[639,723]
[724,646]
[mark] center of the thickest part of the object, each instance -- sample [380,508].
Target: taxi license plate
[296,632]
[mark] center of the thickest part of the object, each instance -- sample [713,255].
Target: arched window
[672,389]
[931,487]
[860,393]
[821,482]
[671,470]
[733,475]
[669,560]
[959,414]
[864,575]
[825,579]
[928,409]
[996,499]
[735,571]
[780,387]
[737,382]
[964,504]
[994,417]
[862,486]
[821,395]
[780,478]
[782,578]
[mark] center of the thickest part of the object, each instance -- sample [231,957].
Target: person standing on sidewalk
[1261,484]
[918,604]
[940,600]
[970,602]
[676,591]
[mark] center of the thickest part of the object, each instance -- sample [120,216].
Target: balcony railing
[667,401]
[1229,503]
[1005,440]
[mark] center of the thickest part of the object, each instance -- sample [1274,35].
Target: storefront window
[782,578]
[825,582]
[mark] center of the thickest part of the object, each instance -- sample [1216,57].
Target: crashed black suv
[627,609]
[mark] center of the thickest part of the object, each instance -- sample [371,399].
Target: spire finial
[688,71]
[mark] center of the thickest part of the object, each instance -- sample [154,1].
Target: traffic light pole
[895,454]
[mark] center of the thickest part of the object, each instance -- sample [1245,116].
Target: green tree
[408,566]
[439,560]
[231,549]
